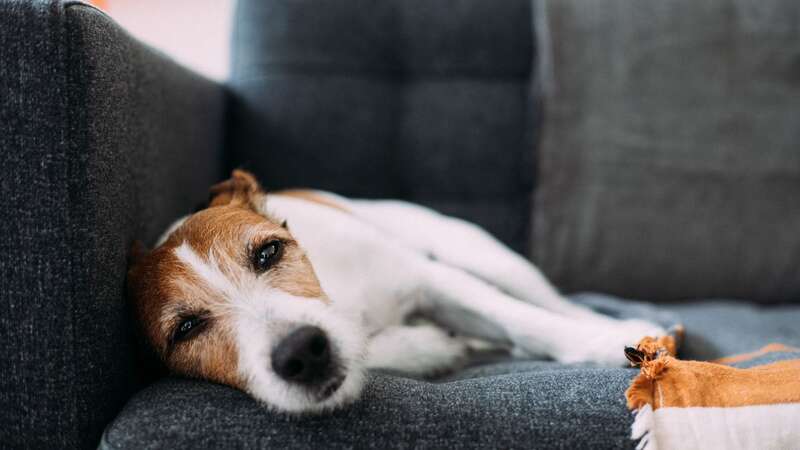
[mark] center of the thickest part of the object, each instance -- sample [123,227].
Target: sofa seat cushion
[509,404]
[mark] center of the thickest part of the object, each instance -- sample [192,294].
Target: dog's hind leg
[421,350]
[469,306]
[465,245]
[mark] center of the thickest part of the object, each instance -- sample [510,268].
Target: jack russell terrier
[291,295]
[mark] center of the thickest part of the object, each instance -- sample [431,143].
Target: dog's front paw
[422,350]
[606,344]
[442,353]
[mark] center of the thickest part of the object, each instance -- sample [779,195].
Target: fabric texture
[511,404]
[669,167]
[432,102]
[739,402]
[103,141]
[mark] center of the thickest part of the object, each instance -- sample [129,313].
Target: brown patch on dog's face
[170,295]
[234,232]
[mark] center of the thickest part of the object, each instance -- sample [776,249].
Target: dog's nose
[304,356]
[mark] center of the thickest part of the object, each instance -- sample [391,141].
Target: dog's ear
[148,366]
[240,188]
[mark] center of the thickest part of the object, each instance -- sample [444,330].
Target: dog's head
[229,296]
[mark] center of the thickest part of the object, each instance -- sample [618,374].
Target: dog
[291,296]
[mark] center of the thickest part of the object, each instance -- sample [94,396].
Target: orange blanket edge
[665,381]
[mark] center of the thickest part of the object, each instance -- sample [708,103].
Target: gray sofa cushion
[97,132]
[670,166]
[517,404]
[426,101]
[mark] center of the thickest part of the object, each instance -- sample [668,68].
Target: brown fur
[162,288]
[240,188]
[158,301]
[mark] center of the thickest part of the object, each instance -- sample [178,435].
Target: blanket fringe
[640,392]
[642,429]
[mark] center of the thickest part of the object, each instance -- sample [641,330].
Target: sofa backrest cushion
[428,101]
[670,166]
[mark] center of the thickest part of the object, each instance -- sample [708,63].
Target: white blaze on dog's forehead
[209,270]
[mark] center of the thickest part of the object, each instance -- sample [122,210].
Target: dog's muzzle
[305,357]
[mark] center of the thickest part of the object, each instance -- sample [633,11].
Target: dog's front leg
[421,350]
[472,307]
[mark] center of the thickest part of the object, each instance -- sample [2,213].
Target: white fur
[261,324]
[262,317]
[209,271]
[376,260]
[420,350]
[384,261]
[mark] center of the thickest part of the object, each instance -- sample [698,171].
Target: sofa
[645,150]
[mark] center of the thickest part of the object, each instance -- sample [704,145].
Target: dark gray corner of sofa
[102,141]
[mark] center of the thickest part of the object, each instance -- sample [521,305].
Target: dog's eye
[187,328]
[267,255]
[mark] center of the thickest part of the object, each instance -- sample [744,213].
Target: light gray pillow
[670,161]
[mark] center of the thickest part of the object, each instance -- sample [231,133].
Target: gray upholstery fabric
[683,193]
[102,141]
[426,101]
[670,166]
[518,404]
